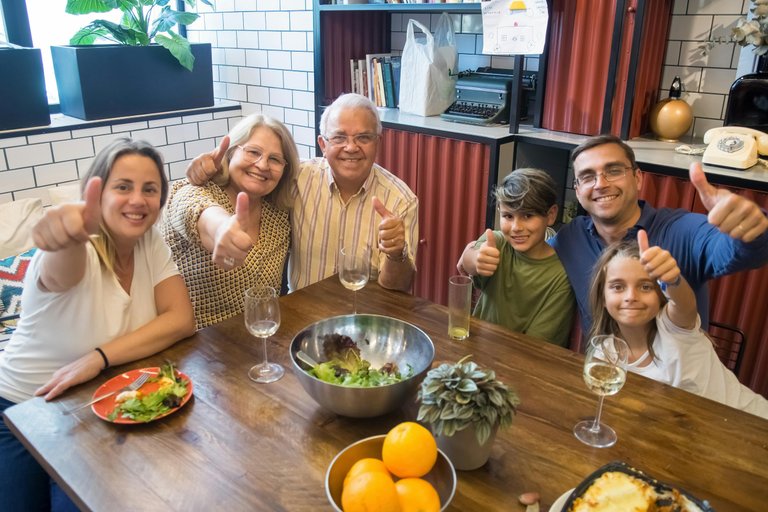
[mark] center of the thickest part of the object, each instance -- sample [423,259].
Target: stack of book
[378,77]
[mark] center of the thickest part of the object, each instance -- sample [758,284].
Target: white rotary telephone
[734,146]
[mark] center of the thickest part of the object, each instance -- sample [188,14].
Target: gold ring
[229,261]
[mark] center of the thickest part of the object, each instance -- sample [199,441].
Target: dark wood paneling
[340,44]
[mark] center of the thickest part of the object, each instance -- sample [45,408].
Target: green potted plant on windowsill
[148,68]
[465,405]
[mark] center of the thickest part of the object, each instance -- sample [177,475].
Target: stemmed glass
[262,319]
[354,269]
[605,371]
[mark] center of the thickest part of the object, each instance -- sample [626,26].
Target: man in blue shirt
[731,238]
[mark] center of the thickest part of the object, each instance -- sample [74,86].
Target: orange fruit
[409,450]
[366,465]
[370,492]
[417,495]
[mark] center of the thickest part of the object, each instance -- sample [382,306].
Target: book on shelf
[353,76]
[395,62]
[388,86]
[382,100]
[362,77]
[374,77]
[383,78]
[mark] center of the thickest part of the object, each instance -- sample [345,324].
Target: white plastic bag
[426,85]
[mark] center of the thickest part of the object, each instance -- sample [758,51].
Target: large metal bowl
[381,339]
[442,476]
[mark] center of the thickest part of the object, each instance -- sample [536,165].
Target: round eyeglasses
[253,155]
[610,173]
[360,140]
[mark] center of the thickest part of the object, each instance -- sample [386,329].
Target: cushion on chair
[16,221]
[12,271]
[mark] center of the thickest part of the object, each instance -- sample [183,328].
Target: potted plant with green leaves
[465,405]
[145,67]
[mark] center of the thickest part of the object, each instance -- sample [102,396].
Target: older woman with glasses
[233,233]
[344,199]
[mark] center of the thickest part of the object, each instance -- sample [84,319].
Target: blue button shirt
[702,252]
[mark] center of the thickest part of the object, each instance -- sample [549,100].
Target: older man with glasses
[607,181]
[344,199]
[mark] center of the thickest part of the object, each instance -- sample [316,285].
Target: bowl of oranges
[402,471]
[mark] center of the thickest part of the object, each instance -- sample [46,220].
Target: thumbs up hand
[732,214]
[206,166]
[232,242]
[659,263]
[70,224]
[391,231]
[488,256]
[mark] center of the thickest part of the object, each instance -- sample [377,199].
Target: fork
[133,386]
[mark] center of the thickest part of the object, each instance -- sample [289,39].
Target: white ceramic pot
[464,450]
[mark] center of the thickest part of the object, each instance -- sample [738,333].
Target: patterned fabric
[217,294]
[322,223]
[12,271]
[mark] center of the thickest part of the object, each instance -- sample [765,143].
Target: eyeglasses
[610,173]
[359,140]
[253,155]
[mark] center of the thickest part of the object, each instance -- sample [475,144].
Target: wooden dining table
[240,445]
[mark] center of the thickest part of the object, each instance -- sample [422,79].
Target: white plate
[557,506]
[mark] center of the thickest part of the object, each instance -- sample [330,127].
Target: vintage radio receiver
[483,96]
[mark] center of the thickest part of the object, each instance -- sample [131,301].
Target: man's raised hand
[731,213]
[391,231]
[70,224]
[205,166]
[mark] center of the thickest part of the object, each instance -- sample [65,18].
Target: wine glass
[354,269]
[605,371]
[262,318]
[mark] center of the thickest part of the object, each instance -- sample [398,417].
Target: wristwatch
[403,255]
[663,285]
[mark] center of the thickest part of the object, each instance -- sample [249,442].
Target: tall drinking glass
[262,319]
[459,306]
[605,371]
[354,269]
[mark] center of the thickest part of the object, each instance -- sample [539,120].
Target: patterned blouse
[218,294]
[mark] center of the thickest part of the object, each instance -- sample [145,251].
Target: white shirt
[58,328]
[687,360]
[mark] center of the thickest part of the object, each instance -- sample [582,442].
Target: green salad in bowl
[369,364]
[346,367]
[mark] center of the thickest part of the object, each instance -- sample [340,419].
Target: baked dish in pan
[618,487]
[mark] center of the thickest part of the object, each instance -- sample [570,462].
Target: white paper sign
[514,27]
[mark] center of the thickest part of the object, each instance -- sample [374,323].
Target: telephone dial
[734,146]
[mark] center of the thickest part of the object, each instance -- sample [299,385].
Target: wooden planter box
[23,102]
[105,81]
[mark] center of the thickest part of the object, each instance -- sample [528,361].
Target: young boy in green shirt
[524,286]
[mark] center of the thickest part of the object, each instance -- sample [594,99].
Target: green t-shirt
[526,295]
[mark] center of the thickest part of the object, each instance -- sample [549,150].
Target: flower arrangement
[748,32]
[455,396]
